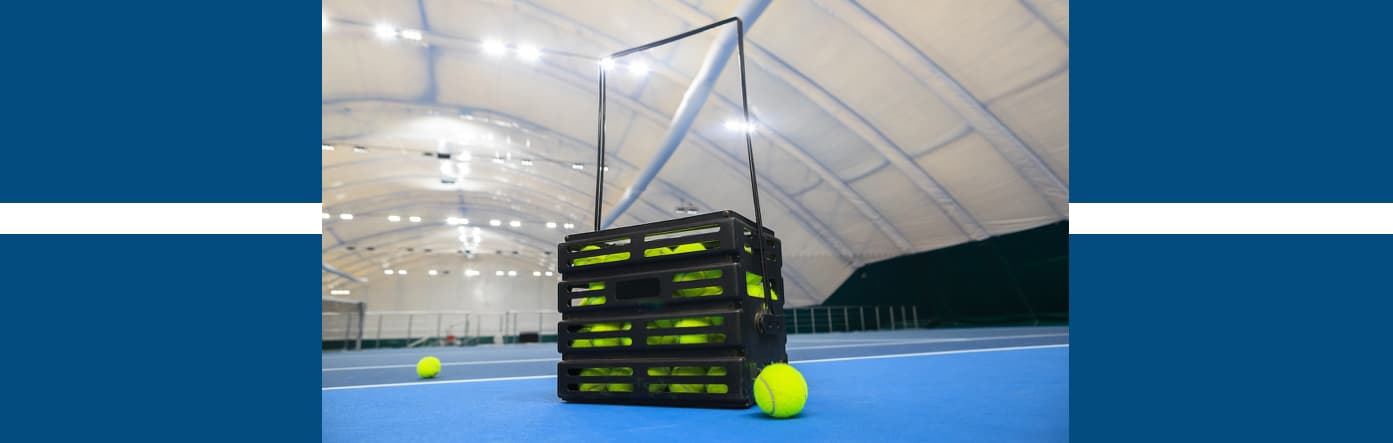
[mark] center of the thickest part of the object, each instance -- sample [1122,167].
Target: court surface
[972,384]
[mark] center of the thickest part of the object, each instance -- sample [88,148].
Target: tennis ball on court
[691,339]
[780,391]
[688,388]
[428,367]
[593,372]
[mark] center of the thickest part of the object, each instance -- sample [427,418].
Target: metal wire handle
[749,141]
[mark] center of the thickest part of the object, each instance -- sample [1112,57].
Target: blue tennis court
[979,384]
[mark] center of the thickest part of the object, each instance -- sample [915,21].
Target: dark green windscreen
[1019,278]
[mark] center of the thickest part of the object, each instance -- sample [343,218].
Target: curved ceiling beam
[801,215]
[1027,163]
[863,128]
[798,82]
[397,178]
[533,126]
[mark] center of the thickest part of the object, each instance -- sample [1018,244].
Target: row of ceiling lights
[450,220]
[492,47]
[464,157]
[467,273]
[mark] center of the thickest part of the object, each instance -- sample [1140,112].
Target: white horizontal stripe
[926,341]
[160,218]
[921,354]
[441,382]
[1231,218]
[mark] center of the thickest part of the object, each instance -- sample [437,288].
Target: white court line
[921,354]
[860,345]
[441,382]
[824,360]
[930,340]
[460,363]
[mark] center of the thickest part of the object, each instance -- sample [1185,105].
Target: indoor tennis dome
[459,138]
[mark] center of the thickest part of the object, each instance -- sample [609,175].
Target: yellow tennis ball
[593,372]
[689,247]
[691,339]
[714,388]
[610,341]
[688,388]
[780,391]
[658,372]
[621,387]
[428,367]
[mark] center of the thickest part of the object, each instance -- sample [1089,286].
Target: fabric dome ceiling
[883,127]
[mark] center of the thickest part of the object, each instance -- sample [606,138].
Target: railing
[816,319]
[346,331]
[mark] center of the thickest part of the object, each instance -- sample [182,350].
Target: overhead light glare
[384,31]
[638,68]
[415,219]
[515,223]
[494,47]
[326,147]
[345,216]
[551,225]
[529,52]
[495,222]
[411,34]
[607,63]
[394,218]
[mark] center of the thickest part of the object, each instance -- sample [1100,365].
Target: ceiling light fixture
[345,216]
[606,63]
[384,31]
[515,223]
[638,68]
[394,218]
[411,34]
[415,219]
[551,225]
[495,222]
[494,47]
